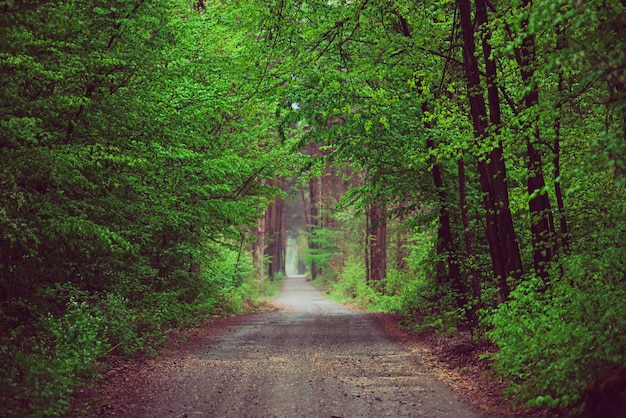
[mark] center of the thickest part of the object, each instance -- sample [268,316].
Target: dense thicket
[496,132]
[133,155]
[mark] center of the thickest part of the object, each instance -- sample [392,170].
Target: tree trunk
[314,218]
[561,44]
[376,258]
[448,268]
[503,248]
[259,249]
[541,223]
[468,236]
[275,235]
[445,240]
[401,249]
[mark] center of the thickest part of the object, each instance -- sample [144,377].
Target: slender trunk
[314,225]
[270,240]
[259,249]
[327,193]
[445,242]
[541,223]
[448,268]
[275,234]
[377,244]
[314,219]
[326,197]
[496,166]
[503,248]
[469,247]
[401,252]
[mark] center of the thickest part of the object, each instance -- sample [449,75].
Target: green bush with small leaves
[555,340]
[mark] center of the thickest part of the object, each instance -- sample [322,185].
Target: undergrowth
[45,356]
[351,287]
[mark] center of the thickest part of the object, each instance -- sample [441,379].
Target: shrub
[44,363]
[351,284]
[553,343]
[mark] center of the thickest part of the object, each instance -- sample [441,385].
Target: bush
[351,283]
[55,341]
[44,363]
[553,343]
[428,306]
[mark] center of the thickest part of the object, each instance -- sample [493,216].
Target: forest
[460,162]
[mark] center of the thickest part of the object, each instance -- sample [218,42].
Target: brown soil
[310,358]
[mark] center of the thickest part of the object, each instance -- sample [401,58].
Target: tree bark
[259,249]
[376,258]
[468,237]
[314,218]
[503,247]
[541,222]
[275,235]
[448,268]
[401,249]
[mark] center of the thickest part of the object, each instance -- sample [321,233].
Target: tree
[129,176]
[500,232]
[275,234]
[424,91]
[376,245]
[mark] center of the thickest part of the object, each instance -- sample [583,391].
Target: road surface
[313,358]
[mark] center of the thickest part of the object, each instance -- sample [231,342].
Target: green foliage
[139,138]
[350,286]
[430,306]
[324,251]
[128,176]
[54,355]
[553,343]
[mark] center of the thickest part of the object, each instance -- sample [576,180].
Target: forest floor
[302,356]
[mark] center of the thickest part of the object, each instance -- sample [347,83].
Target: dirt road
[314,358]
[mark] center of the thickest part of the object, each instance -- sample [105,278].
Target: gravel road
[313,358]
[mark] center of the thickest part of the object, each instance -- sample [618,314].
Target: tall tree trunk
[448,268]
[468,237]
[270,242]
[314,218]
[275,234]
[401,249]
[259,249]
[503,247]
[327,196]
[541,223]
[445,239]
[376,257]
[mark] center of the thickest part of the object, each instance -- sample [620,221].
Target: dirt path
[314,358]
